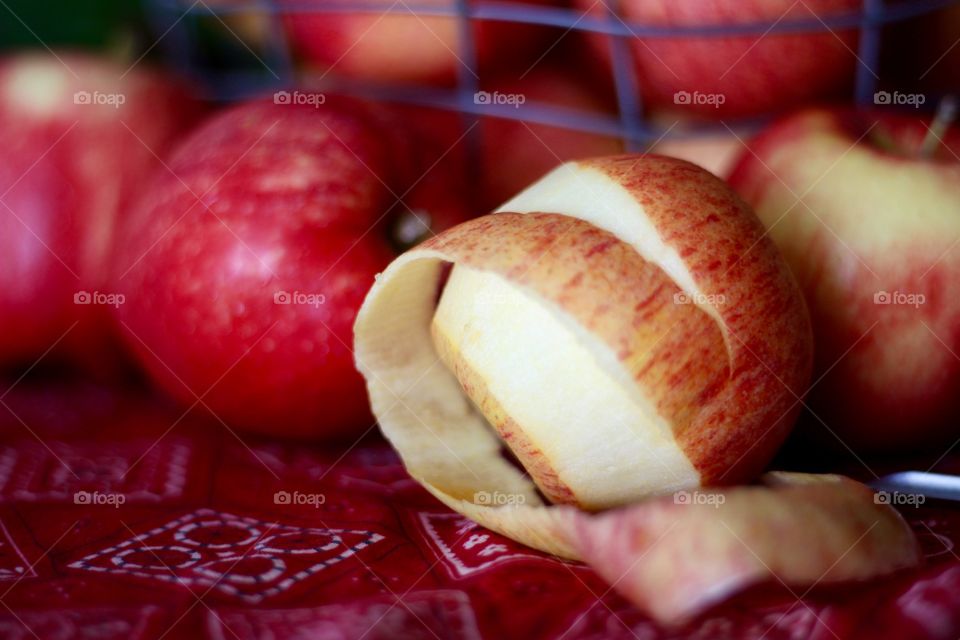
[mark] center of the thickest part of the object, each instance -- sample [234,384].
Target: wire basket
[175,23]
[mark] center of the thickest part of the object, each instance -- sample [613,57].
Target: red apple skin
[297,200]
[67,173]
[396,46]
[726,250]
[890,376]
[795,531]
[756,74]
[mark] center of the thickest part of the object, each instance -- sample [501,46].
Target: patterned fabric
[113,524]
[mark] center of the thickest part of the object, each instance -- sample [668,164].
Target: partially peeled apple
[626,330]
[623,325]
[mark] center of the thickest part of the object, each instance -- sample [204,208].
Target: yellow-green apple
[393,43]
[80,136]
[605,327]
[870,227]
[245,262]
[736,75]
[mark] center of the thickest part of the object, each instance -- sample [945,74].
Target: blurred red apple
[512,154]
[245,264]
[515,153]
[392,43]
[741,75]
[871,230]
[80,134]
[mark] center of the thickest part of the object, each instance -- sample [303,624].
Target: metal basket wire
[174,23]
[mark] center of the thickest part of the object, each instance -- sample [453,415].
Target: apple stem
[944,117]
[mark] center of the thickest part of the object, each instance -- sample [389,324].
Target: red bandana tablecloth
[123,518]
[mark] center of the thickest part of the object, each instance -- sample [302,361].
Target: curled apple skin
[675,557]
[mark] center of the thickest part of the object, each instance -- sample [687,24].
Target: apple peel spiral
[625,330]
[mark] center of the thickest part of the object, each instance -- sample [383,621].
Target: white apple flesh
[533,373]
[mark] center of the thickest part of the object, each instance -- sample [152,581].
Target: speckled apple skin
[730,411]
[725,248]
[294,198]
[68,171]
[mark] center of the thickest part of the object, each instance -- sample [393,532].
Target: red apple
[244,265]
[870,228]
[515,154]
[512,154]
[736,75]
[80,135]
[393,43]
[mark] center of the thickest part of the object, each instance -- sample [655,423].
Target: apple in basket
[390,42]
[512,153]
[736,75]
